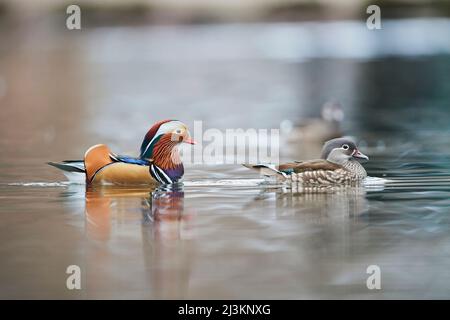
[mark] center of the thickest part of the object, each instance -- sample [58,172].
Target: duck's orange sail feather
[95,158]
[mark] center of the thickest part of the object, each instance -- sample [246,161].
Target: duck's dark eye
[345,146]
[178,131]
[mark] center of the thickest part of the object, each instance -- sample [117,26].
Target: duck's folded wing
[286,169]
[103,166]
[311,165]
[131,160]
[77,166]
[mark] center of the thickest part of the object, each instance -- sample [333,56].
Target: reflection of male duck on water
[163,250]
[166,203]
[108,204]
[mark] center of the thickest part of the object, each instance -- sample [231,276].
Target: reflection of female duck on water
[317,203]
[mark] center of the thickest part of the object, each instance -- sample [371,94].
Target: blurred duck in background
[317,130]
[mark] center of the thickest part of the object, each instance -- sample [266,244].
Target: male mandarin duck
[339,165]
[159,161]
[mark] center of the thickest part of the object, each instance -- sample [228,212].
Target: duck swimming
[318,130]
[339,165]
[159,161]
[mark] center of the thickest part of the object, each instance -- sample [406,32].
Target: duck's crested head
[341,150]
[167,132]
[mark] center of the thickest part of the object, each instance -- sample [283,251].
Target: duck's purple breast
[176,173]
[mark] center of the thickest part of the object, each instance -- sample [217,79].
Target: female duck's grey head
[341,150]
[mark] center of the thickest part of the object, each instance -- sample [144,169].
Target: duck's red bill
[190,141]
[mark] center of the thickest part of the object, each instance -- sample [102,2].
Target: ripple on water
[41,184]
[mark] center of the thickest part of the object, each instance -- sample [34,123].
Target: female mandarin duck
[339,166]
[159,160]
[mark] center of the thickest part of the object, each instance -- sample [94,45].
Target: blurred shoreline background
[209,11]
[135,62]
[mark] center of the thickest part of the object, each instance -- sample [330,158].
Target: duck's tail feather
[76,166]
[268,170]
[72,169]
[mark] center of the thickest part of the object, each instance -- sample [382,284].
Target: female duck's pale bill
[159,160]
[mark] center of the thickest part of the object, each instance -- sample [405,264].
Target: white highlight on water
[224,182]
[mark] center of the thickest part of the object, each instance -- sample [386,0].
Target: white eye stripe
[164,128]
[345,146]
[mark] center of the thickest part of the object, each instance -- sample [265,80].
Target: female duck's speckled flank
[159,160]
[339,165]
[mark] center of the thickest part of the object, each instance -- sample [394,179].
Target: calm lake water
[223,234]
